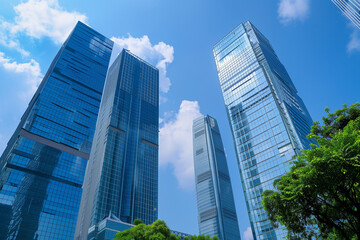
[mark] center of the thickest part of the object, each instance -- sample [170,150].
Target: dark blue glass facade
[268,119]
[122,175]
[215,200]
[43,165]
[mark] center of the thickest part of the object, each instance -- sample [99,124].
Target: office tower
[122,174]
[351,8]
[269,121]
[215,200]
[43,165]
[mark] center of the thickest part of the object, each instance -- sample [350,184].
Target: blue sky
[319,47]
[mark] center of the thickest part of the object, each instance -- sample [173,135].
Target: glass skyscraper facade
[351,8]
[215,200]
[122,174]
[269,121]
[43,165]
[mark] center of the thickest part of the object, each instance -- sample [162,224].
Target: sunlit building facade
[269,121]
[122,174]
[43,165]
[351,8]
[215,200]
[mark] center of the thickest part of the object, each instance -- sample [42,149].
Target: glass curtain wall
[268,119]
[122,175]
[43,165]
[215,200]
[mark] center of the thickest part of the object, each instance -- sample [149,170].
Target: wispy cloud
[354,43]
[35,19]
[248,234]
[291,10]
[38,19]
[29,72]
[176,146]
[160,54]
[18,83]
[44,18]
[11,43]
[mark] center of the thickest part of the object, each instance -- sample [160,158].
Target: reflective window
[268,119]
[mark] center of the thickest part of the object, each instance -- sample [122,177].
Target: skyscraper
[122,174]
[215,200]
[43,165]
[351,8]
[269,121]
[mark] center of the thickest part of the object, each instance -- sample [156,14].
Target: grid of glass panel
[351,8]
[44,164]
[269,121]
[122,174]
[215,200]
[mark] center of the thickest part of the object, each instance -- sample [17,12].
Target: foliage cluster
[320,196]
[201,237]
[156,231]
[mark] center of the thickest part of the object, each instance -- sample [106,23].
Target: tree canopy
[320,196]
[156,231]
[201,237]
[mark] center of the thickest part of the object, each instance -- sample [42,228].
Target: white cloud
[176,146]
[290,10]
[248,234]
[354,44]
[162,99]
[30,73]
[43,18]
[12,43]
[18,83]
[160,54]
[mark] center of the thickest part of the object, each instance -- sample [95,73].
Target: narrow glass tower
[351,8]
[215,200]
[269,121]
[122,175]
[43,166]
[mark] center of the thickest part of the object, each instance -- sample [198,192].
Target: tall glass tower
[269,121]
[215,200]
[122,175]
[351,8]
[43,166]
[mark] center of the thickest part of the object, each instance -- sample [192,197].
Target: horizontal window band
[201,150]
[149,143]
[23,154]
[53,144]
[204,176]
[208,214]
[229,214]
[64,126]
[40,174]
[199,133]
[117,129]
[242,78]
[57,71]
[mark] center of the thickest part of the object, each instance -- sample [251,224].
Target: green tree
[202,237]
[156,231]
[320,196]
[137,222]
